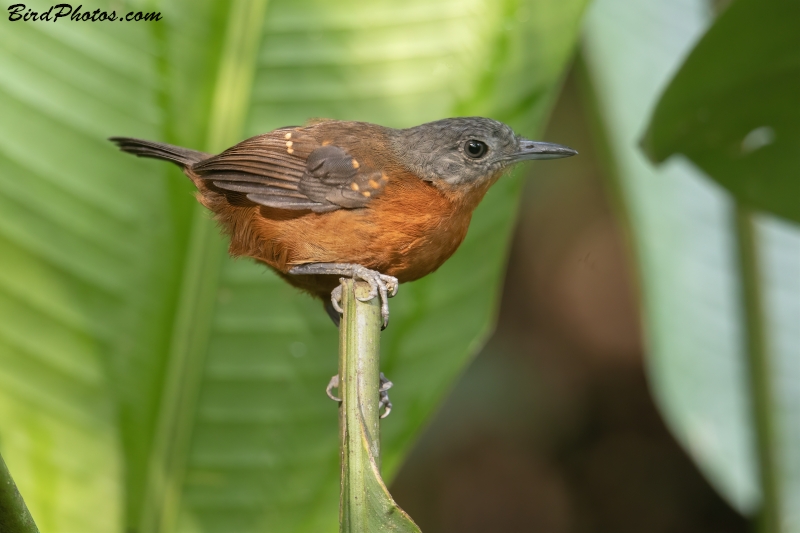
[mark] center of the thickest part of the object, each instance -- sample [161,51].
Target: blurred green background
[644,374]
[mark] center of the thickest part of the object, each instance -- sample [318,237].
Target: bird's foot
[379,284]
[383,393]
[333,384]
[383,396]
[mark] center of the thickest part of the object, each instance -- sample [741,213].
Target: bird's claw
[383,396]
[383,393]
[333,384]
[379,284]
[336,299]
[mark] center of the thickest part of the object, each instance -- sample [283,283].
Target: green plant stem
[760,372]
[366,505]
[14,515]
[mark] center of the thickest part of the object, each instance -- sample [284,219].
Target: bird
[338,198]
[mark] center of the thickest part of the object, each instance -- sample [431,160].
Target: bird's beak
[540,150]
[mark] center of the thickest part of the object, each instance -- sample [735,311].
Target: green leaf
[149,382]
[732,108]
[714,395]
[89,264]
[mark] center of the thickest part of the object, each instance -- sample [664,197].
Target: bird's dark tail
[180,156]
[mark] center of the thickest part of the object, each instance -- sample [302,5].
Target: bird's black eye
[475,149]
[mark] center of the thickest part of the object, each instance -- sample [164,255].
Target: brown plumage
[398,202]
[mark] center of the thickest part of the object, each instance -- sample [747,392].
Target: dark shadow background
[552,428]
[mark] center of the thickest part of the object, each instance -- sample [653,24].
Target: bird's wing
[287,169]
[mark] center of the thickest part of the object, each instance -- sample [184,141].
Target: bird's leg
[379,284]
[383,393]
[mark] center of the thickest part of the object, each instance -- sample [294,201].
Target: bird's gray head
[467,150]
